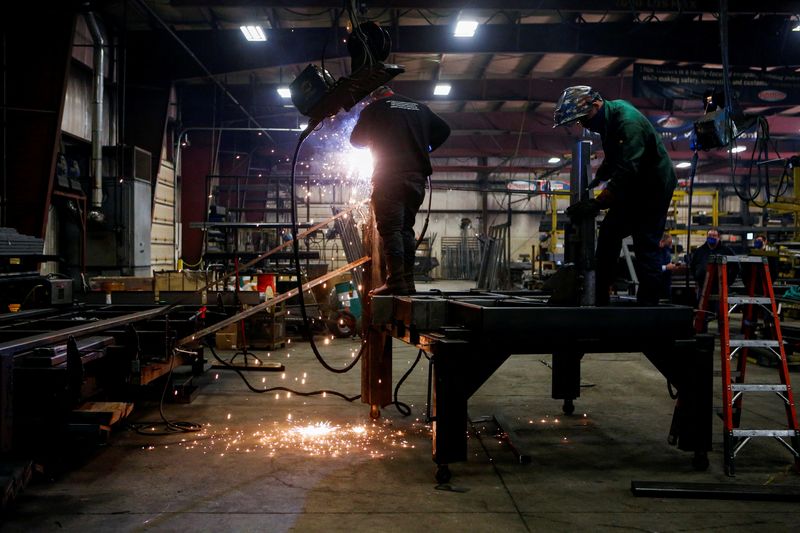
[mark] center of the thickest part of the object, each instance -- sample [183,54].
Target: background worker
[400,133]
[699,261]
[639,183]
[699,268]
[668,266]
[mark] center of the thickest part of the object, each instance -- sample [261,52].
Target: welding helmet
[574,103]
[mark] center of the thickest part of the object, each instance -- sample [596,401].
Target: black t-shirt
[398,131]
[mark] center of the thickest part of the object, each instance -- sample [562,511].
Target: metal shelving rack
[246,216]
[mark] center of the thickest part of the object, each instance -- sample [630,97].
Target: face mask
[758,244]
[597,122]
[712,241]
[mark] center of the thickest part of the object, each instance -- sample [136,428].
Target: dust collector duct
[96,213]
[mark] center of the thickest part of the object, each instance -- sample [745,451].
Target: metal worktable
[470,335]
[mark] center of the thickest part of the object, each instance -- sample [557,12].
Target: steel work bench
[470,335]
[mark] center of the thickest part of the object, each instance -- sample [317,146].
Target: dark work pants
[646,228]
[396,202]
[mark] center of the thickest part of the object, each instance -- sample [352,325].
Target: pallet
[101,413]
[93,420]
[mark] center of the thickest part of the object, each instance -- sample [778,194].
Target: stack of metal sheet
[14,244]
[353,246]
[460,257]
[494,272]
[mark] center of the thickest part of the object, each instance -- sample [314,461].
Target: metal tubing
[97,112]
[582,253]
[715,491]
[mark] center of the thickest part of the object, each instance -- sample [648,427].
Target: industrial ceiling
[504,81]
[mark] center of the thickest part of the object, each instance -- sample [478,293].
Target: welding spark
[314,439]
[315,430]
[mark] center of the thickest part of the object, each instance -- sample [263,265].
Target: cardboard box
[226,341]
[186,280]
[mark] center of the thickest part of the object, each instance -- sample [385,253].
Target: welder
[400,133]
[639,180]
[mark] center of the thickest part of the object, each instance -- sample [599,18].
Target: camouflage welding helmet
[574,103]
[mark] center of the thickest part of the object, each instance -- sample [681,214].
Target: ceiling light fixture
[284,92]
[442,89]
[253,33]
[554,160]
[465,28]
[683,164]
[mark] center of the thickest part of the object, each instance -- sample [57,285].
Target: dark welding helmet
[575,103]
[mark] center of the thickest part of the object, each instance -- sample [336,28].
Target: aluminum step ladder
[759,303]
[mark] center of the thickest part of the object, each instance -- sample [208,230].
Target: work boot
[408,276]
[395,282]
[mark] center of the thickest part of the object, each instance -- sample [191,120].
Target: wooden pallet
[103,413]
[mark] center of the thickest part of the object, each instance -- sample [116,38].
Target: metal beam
[264,99]
[715,491]
[770,43]
[596,6]
[196,336]
[17,346]
[9,349]
[573,66]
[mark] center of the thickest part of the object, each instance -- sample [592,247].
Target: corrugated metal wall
[162,236]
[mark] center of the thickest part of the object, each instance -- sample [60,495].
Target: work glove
[605,199]
[595,182]
[583,210]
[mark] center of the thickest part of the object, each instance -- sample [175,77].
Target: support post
[376,361]
[449,403]
[696,397]
[566,383]
[580,238]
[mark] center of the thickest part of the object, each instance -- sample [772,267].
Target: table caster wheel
[442,474]
[700,461]
[568,407]
[374,411]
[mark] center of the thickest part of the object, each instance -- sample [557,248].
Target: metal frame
[118,316]
[470,335]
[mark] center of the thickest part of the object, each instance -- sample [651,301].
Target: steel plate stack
[13,243]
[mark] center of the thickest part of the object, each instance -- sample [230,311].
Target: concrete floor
[268,462]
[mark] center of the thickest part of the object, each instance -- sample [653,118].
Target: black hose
[273,389]
[170,426]
[427,216]
[297,270]
[403,408]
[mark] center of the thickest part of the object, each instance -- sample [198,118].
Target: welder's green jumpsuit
[641,180]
